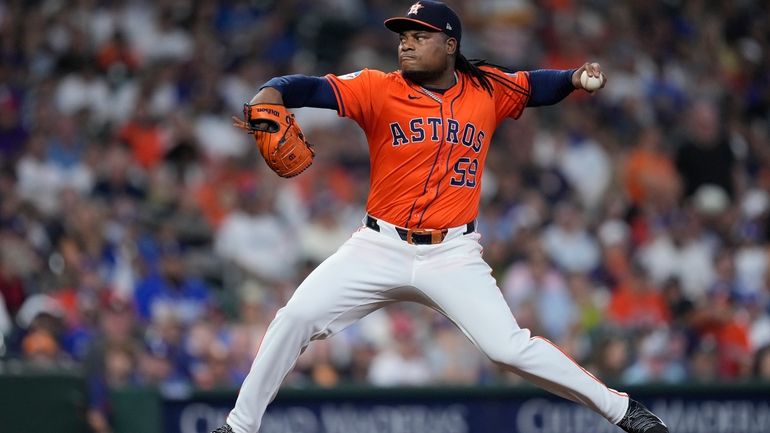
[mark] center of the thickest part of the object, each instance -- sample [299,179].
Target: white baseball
[591,83]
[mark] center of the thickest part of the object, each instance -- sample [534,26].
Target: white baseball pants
[373,269]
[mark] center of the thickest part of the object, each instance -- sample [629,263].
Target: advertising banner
[744,410]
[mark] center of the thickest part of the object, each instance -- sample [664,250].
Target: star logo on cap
[415,7]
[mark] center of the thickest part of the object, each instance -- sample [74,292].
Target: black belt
[420,236]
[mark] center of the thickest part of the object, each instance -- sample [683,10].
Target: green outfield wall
[38,402]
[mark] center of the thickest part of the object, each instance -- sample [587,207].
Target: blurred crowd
[143,239]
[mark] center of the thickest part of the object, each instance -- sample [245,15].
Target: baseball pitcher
[429,126]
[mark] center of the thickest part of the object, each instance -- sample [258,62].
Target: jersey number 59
[465,172]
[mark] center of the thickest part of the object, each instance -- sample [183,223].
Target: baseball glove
[278,136]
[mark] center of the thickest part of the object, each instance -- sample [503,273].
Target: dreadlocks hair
[472,68]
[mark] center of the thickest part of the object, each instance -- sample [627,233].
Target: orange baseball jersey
[427,150]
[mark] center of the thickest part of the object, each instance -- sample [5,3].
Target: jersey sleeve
[357,93]
[511,92]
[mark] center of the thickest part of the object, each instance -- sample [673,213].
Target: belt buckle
[436,236]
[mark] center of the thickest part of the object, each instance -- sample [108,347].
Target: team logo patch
[415,7]
[349,76]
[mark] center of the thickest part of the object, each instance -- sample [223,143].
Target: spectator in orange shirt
[117,52]
[637,303]
[650,174]
[720,318]
[144,137]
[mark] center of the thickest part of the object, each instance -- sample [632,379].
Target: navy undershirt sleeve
[548,86]
[304,91]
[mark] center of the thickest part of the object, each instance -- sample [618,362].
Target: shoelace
[639,419]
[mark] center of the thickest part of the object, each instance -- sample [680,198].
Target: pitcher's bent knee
[298,318]
[509,351]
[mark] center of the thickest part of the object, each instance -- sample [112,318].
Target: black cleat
[224,429]
[639,419]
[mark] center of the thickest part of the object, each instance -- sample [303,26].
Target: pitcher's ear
[451,46]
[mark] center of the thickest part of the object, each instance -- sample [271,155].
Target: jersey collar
[438,97]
